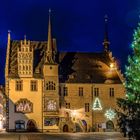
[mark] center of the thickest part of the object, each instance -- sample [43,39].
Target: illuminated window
[65,91]
[50,85]
[96,92]
[24,106]
[111,92]
[86,107]
[19,85]
[33,85]
[80,91]
[68,105]
[19,125]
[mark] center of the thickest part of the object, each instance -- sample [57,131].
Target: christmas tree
[97,104]
[129,112]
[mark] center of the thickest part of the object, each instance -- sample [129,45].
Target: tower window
[111,92]
[33,85]
[65,91]
[19,85]
[96,92]
[86,107]
[50,85]
[80,91]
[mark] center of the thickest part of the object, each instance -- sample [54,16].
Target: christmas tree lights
[97,104]
[129,113]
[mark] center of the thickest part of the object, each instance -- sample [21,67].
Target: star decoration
[110,114]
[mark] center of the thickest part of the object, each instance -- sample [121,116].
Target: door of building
[109,125]
[65,128]
[31,126]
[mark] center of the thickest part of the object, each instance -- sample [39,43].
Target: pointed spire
[9,36]
[49,47]
[106,41]
[49,52]
[7,53]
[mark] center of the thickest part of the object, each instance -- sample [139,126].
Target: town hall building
[52,91]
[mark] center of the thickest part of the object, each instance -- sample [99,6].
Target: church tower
[106,42]
[51,83]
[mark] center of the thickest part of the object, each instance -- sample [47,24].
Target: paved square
[64,136]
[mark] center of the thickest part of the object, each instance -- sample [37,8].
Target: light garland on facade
[110,114]
[97,104]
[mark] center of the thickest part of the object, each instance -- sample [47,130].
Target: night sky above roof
[78,25]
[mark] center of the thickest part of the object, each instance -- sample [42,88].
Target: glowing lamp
[73,113]
[112,65]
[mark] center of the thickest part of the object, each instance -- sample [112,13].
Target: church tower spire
[49,52]
[106,40]
[49,46]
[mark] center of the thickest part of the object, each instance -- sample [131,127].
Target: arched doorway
[65,128]
[31,126]
[109,125]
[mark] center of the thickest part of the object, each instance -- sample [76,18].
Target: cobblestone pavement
[62,136]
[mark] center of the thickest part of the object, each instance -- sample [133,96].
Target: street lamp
[111,65]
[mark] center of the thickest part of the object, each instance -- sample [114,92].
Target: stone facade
[52,91]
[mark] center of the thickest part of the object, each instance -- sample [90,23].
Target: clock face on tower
[51,105]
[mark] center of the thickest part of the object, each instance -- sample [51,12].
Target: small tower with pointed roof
[51,82]
[106,42]
[50,52]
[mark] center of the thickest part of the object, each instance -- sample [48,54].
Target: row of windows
[25,67]
[25,61]
[25,49]
[81,91]
[52,86]
[33,85]
[86,106]
[25,72]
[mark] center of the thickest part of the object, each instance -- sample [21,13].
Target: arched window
[26,67]
[50,85]
[23,67]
